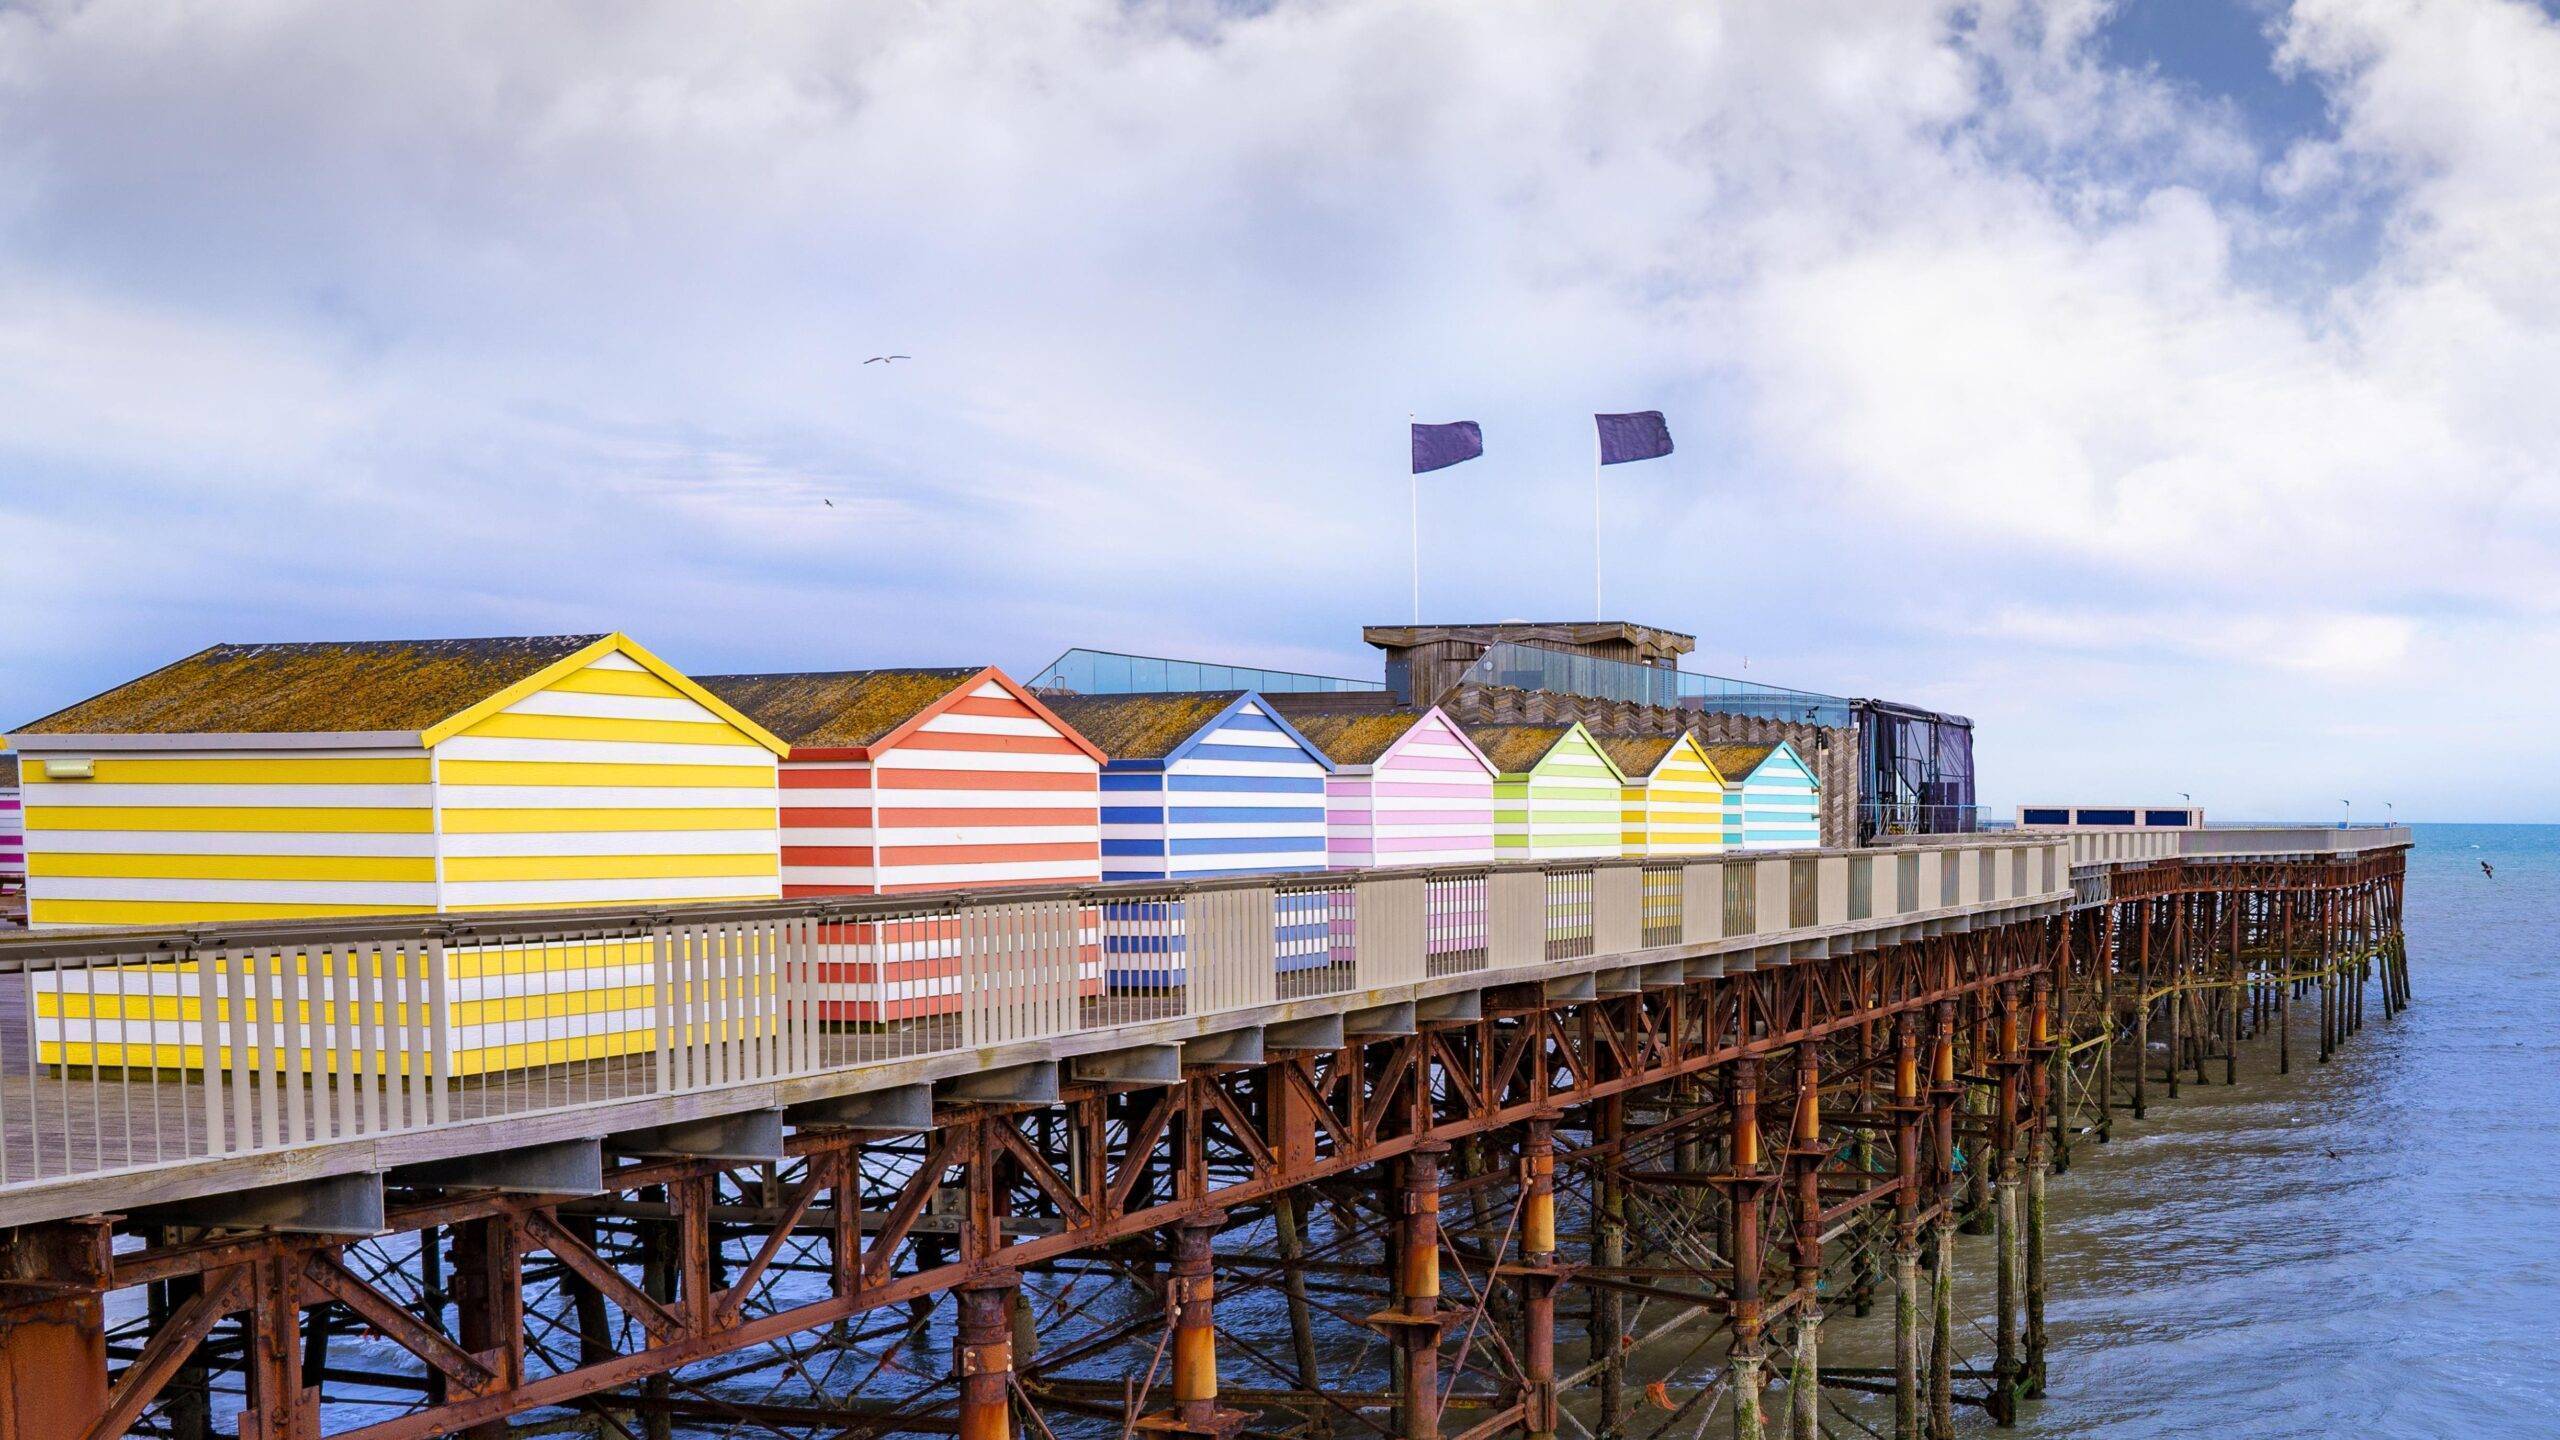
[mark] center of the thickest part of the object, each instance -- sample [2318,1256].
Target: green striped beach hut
[1555,793]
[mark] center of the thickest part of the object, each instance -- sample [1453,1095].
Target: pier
[1499,1129]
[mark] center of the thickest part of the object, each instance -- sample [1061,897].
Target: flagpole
[1596,612]
[1415,482]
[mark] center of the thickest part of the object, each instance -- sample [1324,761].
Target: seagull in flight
[884,359]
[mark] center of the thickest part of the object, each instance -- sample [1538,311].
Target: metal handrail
[462,927]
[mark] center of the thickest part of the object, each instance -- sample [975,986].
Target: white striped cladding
[1246,799]
[545,802]
[984,792]
[608,784]
[217,834]
[13,843]
[1428,800]
[1781,804]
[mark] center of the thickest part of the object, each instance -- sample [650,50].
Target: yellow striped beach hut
[260,782]
[333,779]
[1673,803]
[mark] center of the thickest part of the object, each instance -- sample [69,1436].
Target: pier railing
[140,1049]
[2111,845]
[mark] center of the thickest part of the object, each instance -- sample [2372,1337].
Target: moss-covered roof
[1516,749]
[836,709]
[1348,739]
[1636,755]
[1736,762]
[1142,727]
[317,687]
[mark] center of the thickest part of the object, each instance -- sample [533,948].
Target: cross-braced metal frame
[1631,1214]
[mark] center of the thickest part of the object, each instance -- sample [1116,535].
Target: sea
[2367,1248]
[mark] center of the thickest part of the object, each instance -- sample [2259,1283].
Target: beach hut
[1771,799]
[1556,794]
[333,779]
[13,851]
[905,780]
[1408,788]
[1673,803]
[902,780]
[338,779]
[1201,784]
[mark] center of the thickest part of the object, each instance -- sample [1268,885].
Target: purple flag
[1437,447]
[1640,436]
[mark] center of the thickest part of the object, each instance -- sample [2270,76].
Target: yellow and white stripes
[230,835]
[607,786]
[1679,808]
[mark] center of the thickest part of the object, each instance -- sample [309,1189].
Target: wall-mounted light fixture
[71,769]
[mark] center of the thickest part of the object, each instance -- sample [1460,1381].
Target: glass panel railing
[1527,667]
[1106,672]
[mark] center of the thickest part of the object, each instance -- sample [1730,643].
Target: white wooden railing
[2112,845]
[154,1048]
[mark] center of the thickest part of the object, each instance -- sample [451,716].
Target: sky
[2166,385]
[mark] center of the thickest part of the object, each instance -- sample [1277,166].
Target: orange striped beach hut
[922,779]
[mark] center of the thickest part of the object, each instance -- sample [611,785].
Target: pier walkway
[240,1098]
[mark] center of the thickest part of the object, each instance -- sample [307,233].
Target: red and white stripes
[984,792]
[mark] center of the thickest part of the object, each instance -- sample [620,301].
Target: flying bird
[830,504]
[883,359]
[2489,870]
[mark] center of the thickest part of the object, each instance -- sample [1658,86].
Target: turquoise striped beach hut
[1771,799]
[1196,785]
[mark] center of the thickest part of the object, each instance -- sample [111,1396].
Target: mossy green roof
[1142,727]
[1735,762]
[315,687]
[1516,749]
[837,709]
[1356,739]
[1636,755]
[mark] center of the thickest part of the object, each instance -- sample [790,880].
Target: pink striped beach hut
[1408,788]
[13,830]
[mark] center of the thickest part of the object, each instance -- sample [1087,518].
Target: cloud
[1992,361]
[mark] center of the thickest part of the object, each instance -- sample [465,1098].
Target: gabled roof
[1640,756]
[1636,755]
[1357,739]
[1366,737]
[1162,728]
[421,690]
[1517,749]
[855,711]
[1738,762]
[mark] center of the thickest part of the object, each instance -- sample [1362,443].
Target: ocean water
[2365,1248]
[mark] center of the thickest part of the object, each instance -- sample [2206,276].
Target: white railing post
[1617,909]
[1701,902]
[1388,935]
[1515,918]
[1231,949]
[1770,908]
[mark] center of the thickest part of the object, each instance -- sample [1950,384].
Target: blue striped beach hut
[1198,785]
[1771,799]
